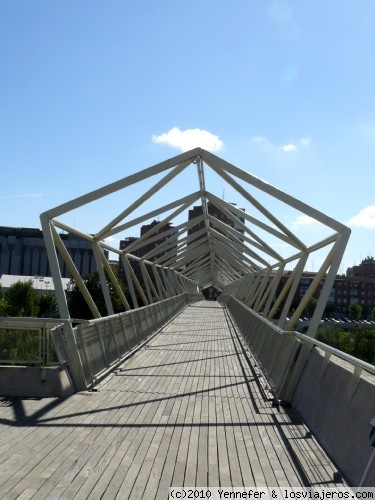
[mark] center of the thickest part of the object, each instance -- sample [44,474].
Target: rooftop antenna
[223,194]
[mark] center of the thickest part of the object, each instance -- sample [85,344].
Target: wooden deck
[185,410]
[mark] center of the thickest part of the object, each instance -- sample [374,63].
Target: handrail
[27,322]
[306,339]
[16,331]
[340,354]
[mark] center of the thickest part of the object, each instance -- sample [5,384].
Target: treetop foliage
[22,300]
[360,343]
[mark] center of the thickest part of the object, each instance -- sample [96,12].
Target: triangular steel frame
[241,261]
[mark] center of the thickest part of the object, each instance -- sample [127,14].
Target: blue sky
[91,90]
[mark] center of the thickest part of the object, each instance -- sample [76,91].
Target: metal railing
[277,350]
[27,341]
[95,347]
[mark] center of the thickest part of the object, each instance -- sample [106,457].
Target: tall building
[196,211]
[147,247]
[124,244]
[23,252]
[155,244]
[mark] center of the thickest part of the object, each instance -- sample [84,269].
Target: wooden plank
[22,428]
[25,459]
[192,456]
[183,451]
[233,461]
[162,469]
[162,453]
[110,482]
[212,452]
[64,464]
[202,452]
[310,457]
[109,454]
[153,462]
[178,478]
[224,468]
[184,410]
[96,455]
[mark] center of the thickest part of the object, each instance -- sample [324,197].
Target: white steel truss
[245,255]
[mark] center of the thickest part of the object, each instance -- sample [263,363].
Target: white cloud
[263,143]
[289,148]
[286,148]
[292,148]
[259,139]
[305,141]
[303,220]
[189,139]
[364,218]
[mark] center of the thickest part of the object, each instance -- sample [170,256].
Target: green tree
[310,308]
[355,311]
[364,345]
[48,307]
[359,342]
[3,303]
[16,345]
[22,300]
[337,338]
[329,310]
[78,307]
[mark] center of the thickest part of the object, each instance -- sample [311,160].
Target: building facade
[354,290]
[196,211]
[146,248]
[41,284]
[366,269]
[23,252]
[356,287]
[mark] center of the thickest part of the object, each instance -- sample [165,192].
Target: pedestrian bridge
[192,407]
[177,390]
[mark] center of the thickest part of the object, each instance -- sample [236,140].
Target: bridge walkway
[187,409]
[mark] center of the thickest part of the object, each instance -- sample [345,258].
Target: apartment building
[356,286]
